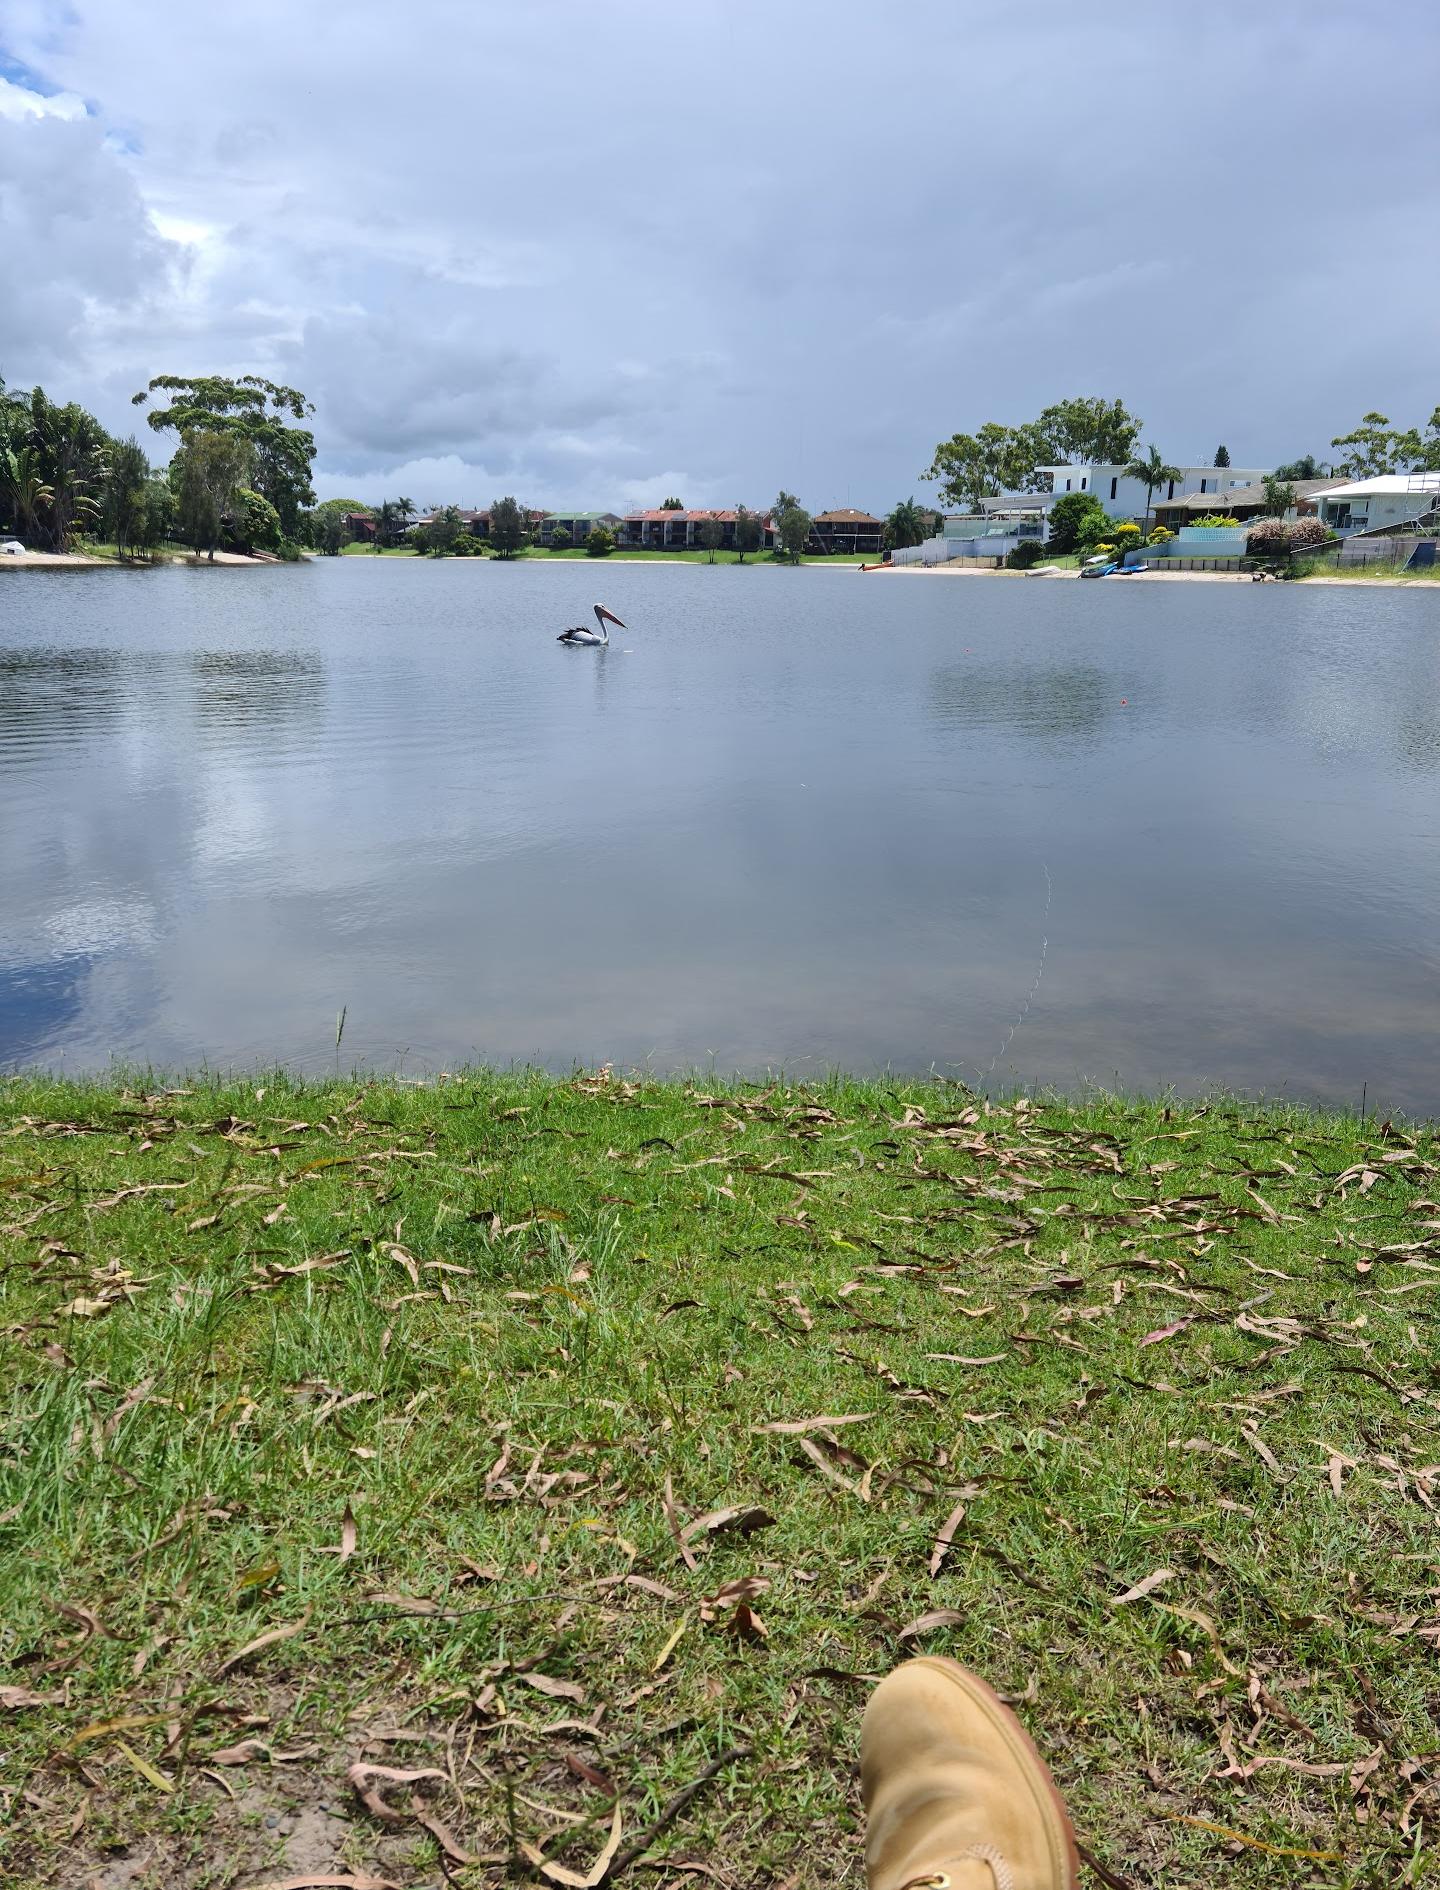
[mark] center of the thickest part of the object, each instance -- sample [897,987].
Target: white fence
[949,550]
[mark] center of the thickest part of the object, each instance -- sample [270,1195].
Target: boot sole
[1059,1828]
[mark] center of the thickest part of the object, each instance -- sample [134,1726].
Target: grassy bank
[568,1443]
[1366,573]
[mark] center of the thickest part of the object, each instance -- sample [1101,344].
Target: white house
[1387,500]
[1124,498]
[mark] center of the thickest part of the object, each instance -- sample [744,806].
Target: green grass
[492,1321]
[1366,573]
[369,551]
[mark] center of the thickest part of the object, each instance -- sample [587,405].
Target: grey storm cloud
[763,245]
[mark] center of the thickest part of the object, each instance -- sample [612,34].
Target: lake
[1019,832]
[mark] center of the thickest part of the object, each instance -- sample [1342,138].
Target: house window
[1084,482]
[1114,487]
[1171,493]
[1067,485]
[1202,485]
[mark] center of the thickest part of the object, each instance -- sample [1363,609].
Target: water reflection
[1063,705]
[54,694]
[783,821]
[267,691]
[37,1001]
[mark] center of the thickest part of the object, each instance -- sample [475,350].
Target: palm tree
[905,525]
[1151,471]
[20,477]
[385,524]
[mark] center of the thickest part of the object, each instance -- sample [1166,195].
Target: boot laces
[981,1853]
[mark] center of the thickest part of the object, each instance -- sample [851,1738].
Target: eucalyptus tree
[792,528]
[259,412]
[208,472]
[124,501]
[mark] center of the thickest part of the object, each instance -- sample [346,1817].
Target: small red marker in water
[1124,702]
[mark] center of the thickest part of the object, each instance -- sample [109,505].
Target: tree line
[238,478]
[972,467]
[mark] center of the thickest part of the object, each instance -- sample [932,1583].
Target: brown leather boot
[955,1793]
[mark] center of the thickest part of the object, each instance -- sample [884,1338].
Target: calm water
[789,818]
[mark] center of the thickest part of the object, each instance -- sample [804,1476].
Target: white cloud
[77,243]
[18,102]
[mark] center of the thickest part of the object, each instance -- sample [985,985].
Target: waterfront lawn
[566,1445]
[1367,573]
[387,551]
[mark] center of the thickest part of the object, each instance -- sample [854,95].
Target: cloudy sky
[593,255]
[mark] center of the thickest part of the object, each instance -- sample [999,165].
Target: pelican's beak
[609,616]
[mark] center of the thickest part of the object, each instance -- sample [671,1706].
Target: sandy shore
[1146,577]
[77,561]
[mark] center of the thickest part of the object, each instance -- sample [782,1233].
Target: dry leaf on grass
[242,1754]
[262,1641]
[582,1769]
[672,1523]
[944,1538]
[410,1604]
[82,1617]
[349,1535]
[827,1470]
[1261,1448]
[144,1768]
[102,1728]
[1256,1844]
[1143,1588]
[646,1586]
[13,1699]
[329,1883]
[927,1623]
[734,1594]
[554,1689]
[557,1873]
[1166,1332]
[445,1838]
[665,1652]
[744,1520]
[796,1427]
[1208,1629]
[361,1773]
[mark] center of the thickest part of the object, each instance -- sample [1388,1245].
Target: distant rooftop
[1387,486]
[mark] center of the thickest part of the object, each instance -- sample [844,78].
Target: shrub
[559,539]
[1307,531]
[1028,553]
[1216,521]
[1275,537]
[468,546]
[599,544]
[253,524]
[1268,538]
[1070,517]
[1161,535]
[288,552]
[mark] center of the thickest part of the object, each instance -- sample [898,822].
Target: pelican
[581,633]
